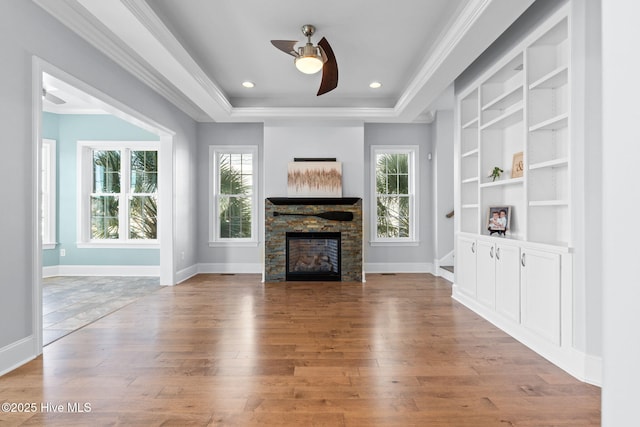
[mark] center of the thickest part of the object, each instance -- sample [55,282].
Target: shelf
[555,163]
[557,122]
[470,180]
[470,153]
[505,100]
[556,78]
[510,116]
[539,203]
[473,123]
[511,181]
[470,206]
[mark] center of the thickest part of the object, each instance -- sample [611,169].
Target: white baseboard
[231,267]
[101,270]
[593,370]
[582,366]
[17,354]
[398,267]
[186,273]
[447,259]
[445,274]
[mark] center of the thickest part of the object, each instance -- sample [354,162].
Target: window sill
[49,246]
[117,245]
[395,243]
[240,244]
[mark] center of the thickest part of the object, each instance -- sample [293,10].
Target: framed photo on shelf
[517,168]
[498,220]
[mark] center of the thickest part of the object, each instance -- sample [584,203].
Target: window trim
[49,239]
[414,202]
[84,184]
[214,239]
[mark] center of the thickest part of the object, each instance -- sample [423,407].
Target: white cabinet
[541,293]
[466,268]
[498,277]
[486,286]
[508,281]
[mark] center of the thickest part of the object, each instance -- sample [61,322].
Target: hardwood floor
[223,350]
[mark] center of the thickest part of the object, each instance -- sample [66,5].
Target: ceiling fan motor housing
[309,50]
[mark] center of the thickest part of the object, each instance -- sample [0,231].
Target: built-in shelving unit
[519,106]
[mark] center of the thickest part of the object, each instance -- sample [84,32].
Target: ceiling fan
[52,98]
[310,59]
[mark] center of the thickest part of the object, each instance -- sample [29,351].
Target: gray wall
[443,182]
[27,30]
[402,134]
[226,134]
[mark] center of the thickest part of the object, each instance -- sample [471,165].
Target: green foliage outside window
[392,195]
[235,173]
[142,202]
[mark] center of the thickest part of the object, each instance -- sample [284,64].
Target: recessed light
[248,84]
[375,85]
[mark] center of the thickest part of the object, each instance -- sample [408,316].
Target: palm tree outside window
[395,194]
[120,193]
[233,218]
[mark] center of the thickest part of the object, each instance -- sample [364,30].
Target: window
[394,190]
[234,198]
[48,194]
[119,193]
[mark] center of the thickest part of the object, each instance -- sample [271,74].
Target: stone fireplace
[302,246]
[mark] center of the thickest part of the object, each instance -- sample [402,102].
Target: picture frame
[314,179]
[517,167]
[498,220]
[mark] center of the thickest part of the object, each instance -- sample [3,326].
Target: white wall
[27,30]
[620,207]
[284,141]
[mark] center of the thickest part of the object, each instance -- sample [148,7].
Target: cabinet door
[486,274]
[541,293]
[466,267]
[508,281]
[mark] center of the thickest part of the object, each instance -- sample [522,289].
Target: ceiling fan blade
[52,98]
[329,70]
[287,46]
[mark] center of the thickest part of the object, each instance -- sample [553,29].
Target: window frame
[214,192]
[49,193]
[414,174]
[85,189]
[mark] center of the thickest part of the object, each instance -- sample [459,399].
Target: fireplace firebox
[313,256]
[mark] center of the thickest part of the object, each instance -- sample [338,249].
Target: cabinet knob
[491,252]
[497,253]
[473,247]
[522,260]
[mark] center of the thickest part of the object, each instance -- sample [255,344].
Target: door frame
[166,208]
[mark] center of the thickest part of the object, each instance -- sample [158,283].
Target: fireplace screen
[313,256]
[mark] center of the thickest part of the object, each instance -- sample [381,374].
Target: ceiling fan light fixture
[309,64]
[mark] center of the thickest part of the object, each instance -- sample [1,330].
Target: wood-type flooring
[228,350]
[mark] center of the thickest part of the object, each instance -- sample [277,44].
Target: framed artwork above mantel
[314,178]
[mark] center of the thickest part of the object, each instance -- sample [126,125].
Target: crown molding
[451,56]
[147,17]
[170,70]
[78,19]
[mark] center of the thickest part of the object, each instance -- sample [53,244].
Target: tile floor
[69,303]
